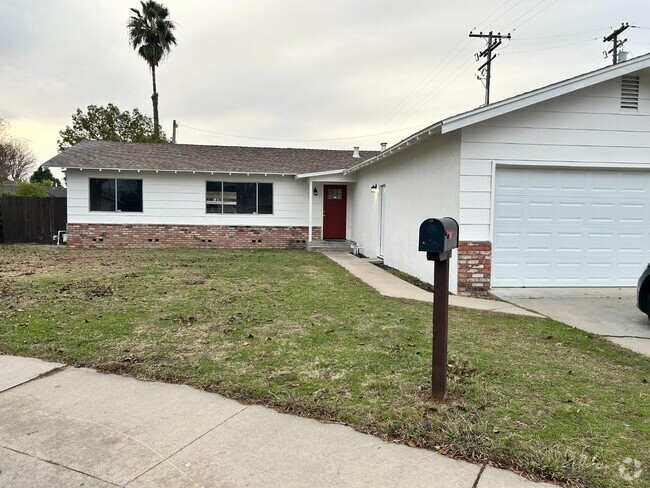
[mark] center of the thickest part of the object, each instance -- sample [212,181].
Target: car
[643,292]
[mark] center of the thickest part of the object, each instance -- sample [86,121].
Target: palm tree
[152,34]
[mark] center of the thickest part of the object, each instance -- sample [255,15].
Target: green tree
[27,189]
[109,124]
[44,177]
[151,33]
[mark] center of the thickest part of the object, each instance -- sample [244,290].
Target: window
[335,194]
[223,197]
[115,195]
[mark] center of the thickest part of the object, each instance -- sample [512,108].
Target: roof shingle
[188,157]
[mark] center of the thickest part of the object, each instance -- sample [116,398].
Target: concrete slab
[634,343]
[382,281]
[262,448]
[608,312]
[82,428]
[15,467]
[500,478]
[15,370]
[107,426]
[391,286]
[491,305]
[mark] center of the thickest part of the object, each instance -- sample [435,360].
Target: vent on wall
[630,92]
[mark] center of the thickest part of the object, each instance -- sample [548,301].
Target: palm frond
[150,32]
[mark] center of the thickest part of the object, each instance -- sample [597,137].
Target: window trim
[257,198]
[111,212]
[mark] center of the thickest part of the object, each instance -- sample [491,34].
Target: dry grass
[294,331]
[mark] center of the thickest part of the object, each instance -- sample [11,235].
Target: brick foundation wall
[217,236]
[474,267]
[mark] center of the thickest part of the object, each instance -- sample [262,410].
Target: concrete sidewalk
[392,286]
[64,427]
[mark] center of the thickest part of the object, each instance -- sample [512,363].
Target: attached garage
[551,188]
[570,227]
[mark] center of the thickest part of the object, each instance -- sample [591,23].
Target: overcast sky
[294,73]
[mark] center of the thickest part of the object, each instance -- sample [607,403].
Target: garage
[570,227]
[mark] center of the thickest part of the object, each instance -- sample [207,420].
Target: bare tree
[16,157]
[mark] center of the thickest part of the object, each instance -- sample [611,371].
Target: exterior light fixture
[373,188]
[315,191]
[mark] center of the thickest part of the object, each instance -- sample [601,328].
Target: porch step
[330,245]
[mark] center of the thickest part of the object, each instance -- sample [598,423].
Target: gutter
[222,172]
[432,130]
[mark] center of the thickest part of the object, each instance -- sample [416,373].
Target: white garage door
[570,228]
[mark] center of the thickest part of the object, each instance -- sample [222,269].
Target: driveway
[608,312]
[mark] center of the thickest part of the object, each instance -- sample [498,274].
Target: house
[136,194]
[550,188]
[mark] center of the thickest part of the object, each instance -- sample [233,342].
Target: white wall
[170,198]
[421,182]
[586,129]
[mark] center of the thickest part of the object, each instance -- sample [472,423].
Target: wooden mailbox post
[438,237]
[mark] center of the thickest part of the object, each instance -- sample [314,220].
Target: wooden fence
[31,219]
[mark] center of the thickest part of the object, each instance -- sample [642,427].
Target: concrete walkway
[392,286]
[63,426]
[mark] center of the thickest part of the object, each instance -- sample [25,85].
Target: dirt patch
[99,291]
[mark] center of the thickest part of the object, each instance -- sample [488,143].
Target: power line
[423,83]
[489,16]
[534,15]
[222,134]
[507,11]
[524,14]
[549,47]
[417,89]
[561,35]
[442,86]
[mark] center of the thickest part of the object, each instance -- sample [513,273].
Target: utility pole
[493,41]
[174,127]
[613,38]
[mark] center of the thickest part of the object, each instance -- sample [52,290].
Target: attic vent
[630,92]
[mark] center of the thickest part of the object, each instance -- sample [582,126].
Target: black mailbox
[438,237]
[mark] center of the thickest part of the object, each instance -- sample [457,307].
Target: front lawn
[294,331]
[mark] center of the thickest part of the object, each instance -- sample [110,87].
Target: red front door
[334,209]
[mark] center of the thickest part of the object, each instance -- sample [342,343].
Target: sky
[288,73]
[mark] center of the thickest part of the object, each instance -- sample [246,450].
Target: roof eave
[416,138]
[320,173]
[193,171]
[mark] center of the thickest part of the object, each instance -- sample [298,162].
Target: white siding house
[411,186]
[550,188]
[134,195]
